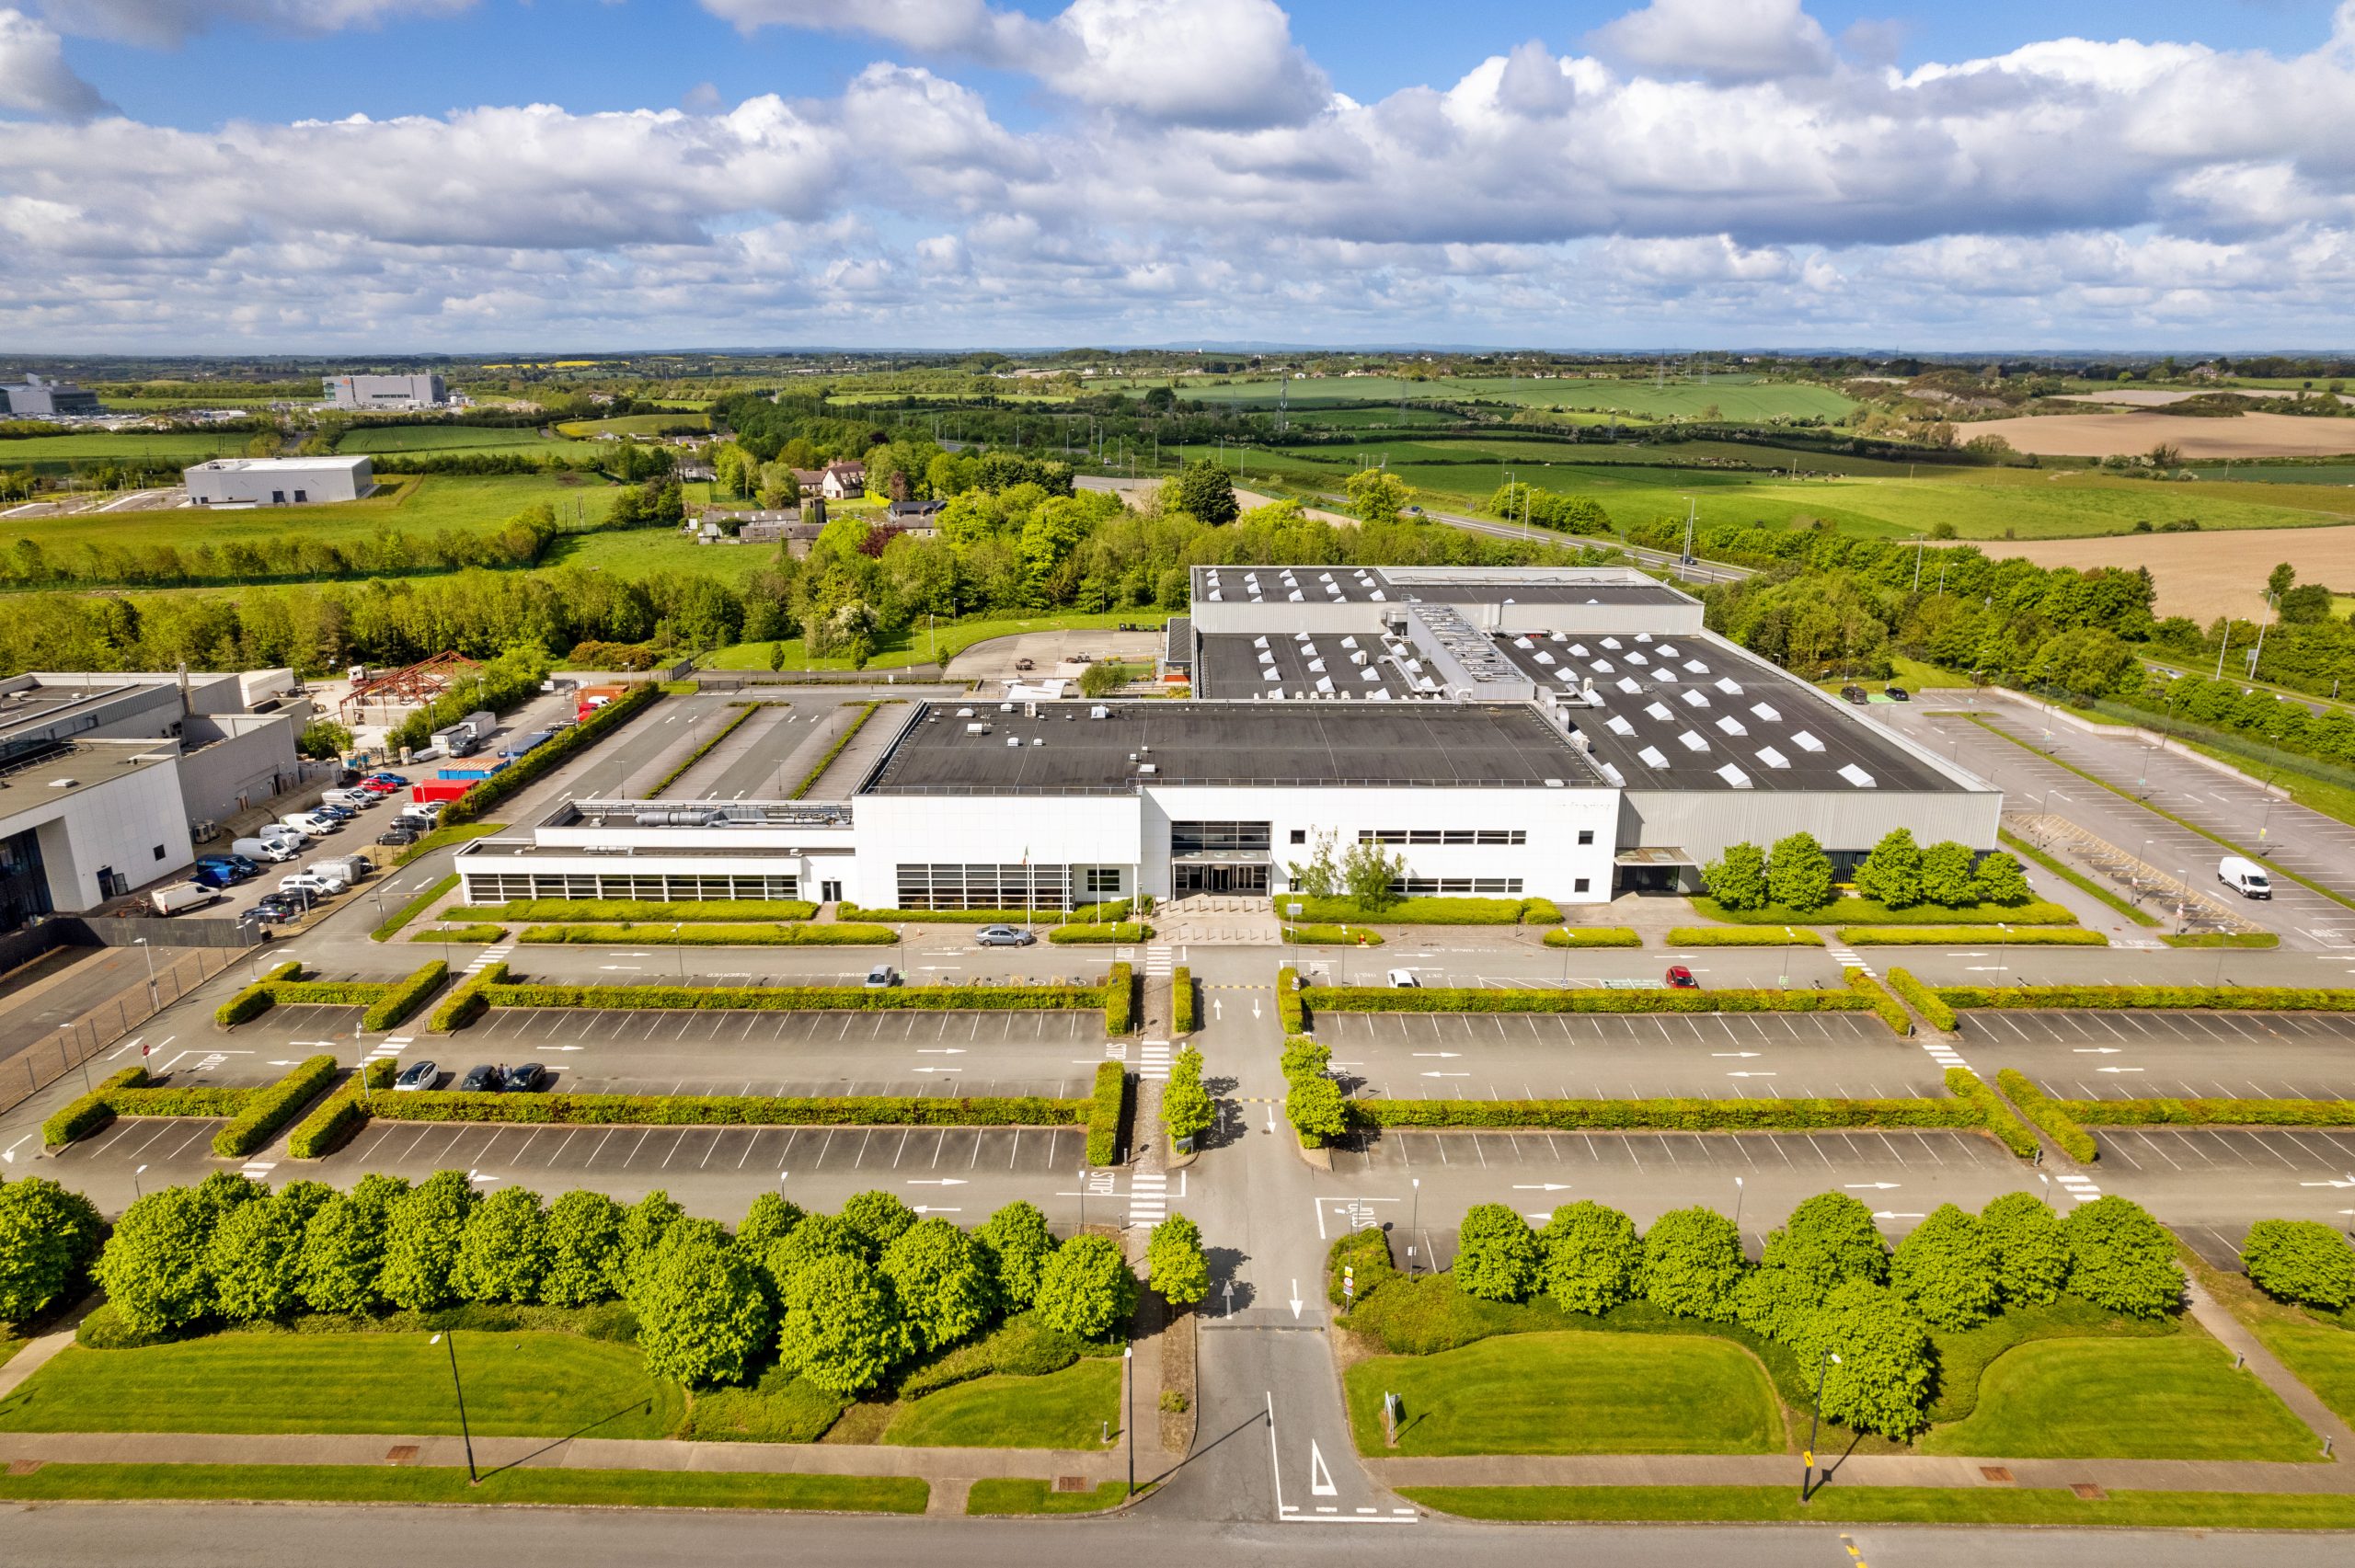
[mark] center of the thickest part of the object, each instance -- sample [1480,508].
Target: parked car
[524,1079]
[1004,936]
[319,884]
[1681,978]
[1404,979]
[350,798]
[260,848]
[236,865]
[483,1078]
[213,877]
[1854,695]
[395,780]
[1025,664]
[882,978]
[400,833]
[279,906]
[418,1075]
[339,815]
[172,898]
[1897,694]
[423,810]
[313,824]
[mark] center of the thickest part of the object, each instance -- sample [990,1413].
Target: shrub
[1593,936]
[1965,935]
[1182,1020]
[1291,1010]
[609,911]
[1744,936]
[1885,1006]
[156,1266]
[1798,873]
[1365,1255]
[48,1237]
[340,1114]
[1175,1263]
[841,1327]
[475,935]
[256,999]
[2030,1255]
[1924,1000]
[739,933]
[1348,911]
[1316,1111]
[1593,1256]
[1082,935]
[1302,935]
[2189,1113]
[503,1254]
[266,1110]
[413,909]
[879,1218]
[1088,1289]
[1495,1254]
[1187,1109]
[1018,1245]
[86,1113]
[2302,1261]
[2075,1140]
[1946,1270]
[1691,1263]
[942,1281]
[343,1246]
[1739,880]
[1439,999]
[404,998]
[256,1253]
[469,1002]
[502,992]
[2000,879]
[732,1110]
[1664,1115]
[584,1239]
[2121,1258]
[2253,999]
[1998,1116]
[1829,1238]
[1892,874]
[1882,1382]
[1108,1113]
[1120,999]
[422,1235]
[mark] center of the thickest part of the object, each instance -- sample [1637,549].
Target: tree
[1205,492]
[1316,1111]
[2086,661]
[343,1246]
[584,1238]
[702,1314]
[1088,1287]
[1187,1108]
[2000,879]
[770,1220]
[1946,875]
[1829,1238]
[504,1254]
[1496,1253]
[1593,1253]
[842,1330]
[1320,876]
[256,1258]
[1175,1263]
[1944,1270]
[643,1224]
[156,1266]
[1103,678]
[1369,873]
[1018,1245]
[941,1281]
[1777,1302]
[1738,881]
[421,1240]
[2031,1257]
[1881,1381]
[2299,1260]
[48,1237]
[1798,873]
[879,1218]
[324,740]
[1891,875]
[2121,1258]
[1377,495]
[1692,1262]
[2280,581]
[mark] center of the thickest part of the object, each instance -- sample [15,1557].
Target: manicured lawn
[518,1384]
[781,1408]
[400,1483]
[9,1346]
[637,425]
[1012,1494]
[1062,1410]
[1893,1504]
[1571,1393]
[2169,1399]
[2322,1356]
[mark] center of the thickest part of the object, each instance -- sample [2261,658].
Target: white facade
[105,816]
[279,481]
[383,391]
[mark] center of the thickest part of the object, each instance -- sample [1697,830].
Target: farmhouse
[279,481]
[843,481]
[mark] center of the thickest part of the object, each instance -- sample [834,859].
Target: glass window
[1219,838]
[1579,886]
[1586,835]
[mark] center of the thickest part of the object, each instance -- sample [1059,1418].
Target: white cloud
[1725,41]
[164,24]
[34,77]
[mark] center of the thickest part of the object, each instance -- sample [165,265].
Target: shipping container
[439,789]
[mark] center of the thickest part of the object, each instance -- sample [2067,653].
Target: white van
[311,825]
[269,849]
[2244,876]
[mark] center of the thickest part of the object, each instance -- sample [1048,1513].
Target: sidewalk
[1879,1469]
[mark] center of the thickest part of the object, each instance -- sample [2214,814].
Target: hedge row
[86,1113]
[475,935]
[743,712]
[1593,936]
[2211,1113]
[2050,1114]
[1666,1115]
[1081,935]
[2253,999]
[1998,1117]
[1120,999]
[738,1110]
[254,1000]
[1181,1001]
[1924,1000]
[342,1114]
[401,999]
[1891,1011]
[1744,936]
[1106,1112]
[1435,998]
[266,1110]
[610,909]
[177,1100]
[465,1004]
[1306,935]
[811,999]
[550,755]
[1948,935]
[809,780]
[413,909]
[746,933]
[1292,1011]
[1421,911]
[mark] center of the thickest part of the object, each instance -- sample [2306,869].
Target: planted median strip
[413,909]
[743,933]
[1859,993]
[387,1002]
[253,1113]
[403,1484]
[2224,998]
[743,712]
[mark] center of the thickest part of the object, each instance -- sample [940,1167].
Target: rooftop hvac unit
[1099,711]
[977,728]
[1038,740]
[1147,768]
[1014,741]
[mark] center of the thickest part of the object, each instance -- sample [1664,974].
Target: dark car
[400,833]
[1681,978]
[1898,694]
[1852,694]
[1004,936]
[418,1075]
[334,813]
[275,909]
[214,876]
[481,1080]
[524,1079]
[236,867]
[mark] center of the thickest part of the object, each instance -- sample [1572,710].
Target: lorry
[595,697]
[180,896]
[2244,876]
[465,736]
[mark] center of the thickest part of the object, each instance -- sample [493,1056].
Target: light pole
[2003,955]
[1815,1420]
[149,953]
[1738,1191]
[1783,979]
[67,1030]
[1415,1228]
[1129,1408]
[463,1430]
[360,1044]
[135,1193]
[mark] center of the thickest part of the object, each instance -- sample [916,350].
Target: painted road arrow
[937,1181]
[1541,1186]
[1870,1187]
[1297,1302]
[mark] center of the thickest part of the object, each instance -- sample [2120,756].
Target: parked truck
[595,697]
[179,896]
[346,868]
[2244,876]
[467,735]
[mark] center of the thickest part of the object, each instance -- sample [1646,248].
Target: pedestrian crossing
[487,957]
[391,1046]
[257,1170]
[1157,961]
[2079,1187]
[1848,958]
[1945,1055]
[1153,1061]
[1148,1197]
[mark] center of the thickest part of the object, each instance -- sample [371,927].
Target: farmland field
[56,454]
[2280,473]
[636,425]
[2099,435]
[637,552]
[443,437]
[1735,397]
[2207,575]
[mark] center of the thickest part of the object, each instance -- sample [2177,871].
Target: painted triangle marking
[1320,1480]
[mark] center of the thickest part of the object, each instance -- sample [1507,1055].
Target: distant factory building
[279,481]
[384,391]
[36,397]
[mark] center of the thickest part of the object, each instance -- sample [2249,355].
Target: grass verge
[2072,876]
[413,909]
[1062,1410]
[2178,1398]
[1012,1494]
[380,1483]
[2250,939]
[443,838]
[1593,936]
[1893,1505]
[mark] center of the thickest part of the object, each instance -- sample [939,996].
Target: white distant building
[384,391]
[279,481]
[34,398]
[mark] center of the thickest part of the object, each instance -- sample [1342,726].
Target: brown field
[2206,574]
[2099,435]
[2158,398]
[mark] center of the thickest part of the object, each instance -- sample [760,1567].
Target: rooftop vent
[1617,724]
[1730,726]
[1735,778]
[1696,699]
[1773,758]
[1653,757]
[1805,741]
[1660,711]
[1767,712]
[1613,774]
[1857,776]
[1691,741]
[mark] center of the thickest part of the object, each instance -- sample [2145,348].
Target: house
[808,479]
[843,481]
[916,517]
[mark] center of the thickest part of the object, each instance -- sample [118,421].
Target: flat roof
[74,769]
[1430,585]
[1246,666]
[276,465]
[1438,745]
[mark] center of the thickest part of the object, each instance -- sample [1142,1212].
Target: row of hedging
[743,712]
[1593,936]
[86,1113]
[479,935]
[1887,1007]
[342,1114]
[255,1000]
[1120,999]
[1079,936]
[2210,1112]
[404,998]
[1459,998]
[1421,911]
[1182,1017]
[2050,1114]
[266,1110]
[737,1110]
[745,933]
[1304,936]
[2251,999]
[1118,910]
[1667,1115]
[612,909]
[254,1114]
[1924,1000]
[809,780]
[1291,1010]
[1994,1116]
[1951,935]
[1744,936]
[469,1002]
[1107,1114]
[550,755]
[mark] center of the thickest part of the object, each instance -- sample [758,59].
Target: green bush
[2121,1258]
[475,935]
[1304,935]
[1187,1109]
[1292,1009]
[2210,1112]
[1120,999]
[413,909]
[1108,1113]
[1954,935]
[1125,931]
[548,756]
[2302,1261]
[1592,1255]
[610,910]
[743,712]
[1593,936]
[1744,936]
[801,999]
[342,1114]
[1995,1116]
[1924,1000]
[185,1100]
[1366,1254]
[2057,1124]
[1497,1253]
[1181,1001]
[469,1002]
[266,1110]
[742,933]
[2252,998]
[403,998]
[1317,1112]
[1115,911]
[1420,911]
[86,1113]
[254,1000]
[1665,1115]
[746,1110]
[1885,1006]
[1854,910]
[1438,999]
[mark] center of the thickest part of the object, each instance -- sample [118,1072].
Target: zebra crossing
[1157,961]
[391,1046]
[1945,1055]
[257,1170]
[1148,1197]
[487,957]
[2077,1187]
[1848,958]
[1152,1060]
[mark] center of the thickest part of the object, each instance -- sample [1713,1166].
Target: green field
[518,1384]
[447,438]
[638,552]
[547,1487]
[2279,474]
[914,646]
[1737,398]
[636,425]
[2173,1399]
[57,454]
[1571,1393]
[1060,1410]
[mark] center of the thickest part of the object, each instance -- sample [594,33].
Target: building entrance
[1188,879]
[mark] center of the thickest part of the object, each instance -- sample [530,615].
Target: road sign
[1349,1284]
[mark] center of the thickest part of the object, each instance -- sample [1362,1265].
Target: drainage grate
[401,1453]
[1072,1484]
[1997,1473]
[2088,1492]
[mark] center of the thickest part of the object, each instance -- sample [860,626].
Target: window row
[1433,887]
[1219,838]
[1442,836]
[501,887]
[983,886]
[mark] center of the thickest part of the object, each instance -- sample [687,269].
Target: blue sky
[1649,172]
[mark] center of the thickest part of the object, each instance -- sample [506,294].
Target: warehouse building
[279,481]
[395,392]
[1562,733]
[35,398]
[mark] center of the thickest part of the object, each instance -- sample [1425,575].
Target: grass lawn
[1062,1410]
[640,552]
[518,1384]
[637,425]
[1012,1494]
[392,1484]
[915,645]
[1893,1504]
[9,1346]
[781,1408]
[56,454]
[2173,1399]
[1571,1393]
[2322,1356]
[444,438]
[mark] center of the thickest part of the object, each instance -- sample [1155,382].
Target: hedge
[1900,1022]
[503,992]
[342,1114]
[1181,1001]
[1305,935]
[1076,935]
[256,999]
[477,935]
[809,780]
[1743,936]
[1120,999]
[612,909]
[548,756]
[1435,998]
[747,934]
[2253,999]
[1106,1112]
[1593,936]
[743,712]
[739,1110]
[86,1113]
[1666,1115]
[463,1006]
[1421,911]
[1866,911]
[1924,1000]
[180,1100]
[266,1110]
[1977,935]
[2210,1112]
[1292,1009]
[2050,1114]
[413,909]
[399,1001]
[2009,1131]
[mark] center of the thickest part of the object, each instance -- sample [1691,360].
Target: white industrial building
[1562,733]
[279,481]
[36,397]
[386,391]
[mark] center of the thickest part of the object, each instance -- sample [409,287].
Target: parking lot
[2106,1056]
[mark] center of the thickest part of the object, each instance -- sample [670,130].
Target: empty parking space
[1855,1155]
[2091,1056]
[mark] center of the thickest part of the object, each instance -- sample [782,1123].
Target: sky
[502,176]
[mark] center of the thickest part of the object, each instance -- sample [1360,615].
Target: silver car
[1004,936]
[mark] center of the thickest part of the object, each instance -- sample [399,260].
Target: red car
[1681,978]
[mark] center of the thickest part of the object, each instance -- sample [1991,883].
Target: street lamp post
[1128,1409]
[1815,1420]
[1783,979]
[67,1030]
[1738,1191]
[2003,955]
[149,953]
[135,1193]
[1415,1228]
[473,1479]
[360,1044]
